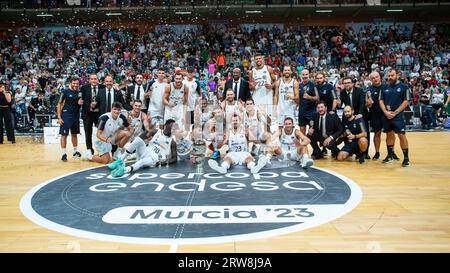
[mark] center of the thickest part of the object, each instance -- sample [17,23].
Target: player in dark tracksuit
[68,111]
[327,93]
[375,114]
[309,96]
[393,101]
[355,136]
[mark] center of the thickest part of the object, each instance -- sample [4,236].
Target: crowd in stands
[36,65]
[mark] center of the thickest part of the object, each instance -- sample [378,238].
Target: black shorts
[376,122]
[71,124]
[396,124]
[351,147]
[305,117]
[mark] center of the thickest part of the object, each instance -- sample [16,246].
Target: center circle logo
[186,204]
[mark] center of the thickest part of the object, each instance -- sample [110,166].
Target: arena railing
[133,4]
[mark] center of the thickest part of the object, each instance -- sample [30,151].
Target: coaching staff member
[89,110]
[239,86]
[68,111]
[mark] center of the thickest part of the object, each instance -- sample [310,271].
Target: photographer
[5,114]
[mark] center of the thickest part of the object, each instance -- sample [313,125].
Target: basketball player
[261,79]
[237,139]
[113,129]
[160,150]
[290,143]
[194,93]
[355,136]
[256,122]
[285,96]
[138,120]
[230,106]
[157,91]
[175,101]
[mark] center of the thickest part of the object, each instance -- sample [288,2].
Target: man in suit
[355,98]
[89,110]
[107,96]
[239,86]
[137,91]
[326,129]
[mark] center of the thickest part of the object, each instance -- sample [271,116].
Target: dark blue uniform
[70,112]
[375,113]
[327,93]
[307,108]
[393,96]
[355,126]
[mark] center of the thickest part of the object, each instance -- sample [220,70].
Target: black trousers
[5,115]
[90,120]
[317,139]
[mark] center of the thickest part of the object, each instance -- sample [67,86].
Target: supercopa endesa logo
[188,205]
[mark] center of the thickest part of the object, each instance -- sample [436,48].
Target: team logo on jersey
[399,89]
[188,204]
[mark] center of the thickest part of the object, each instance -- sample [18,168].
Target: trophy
[348,133]
[94,102]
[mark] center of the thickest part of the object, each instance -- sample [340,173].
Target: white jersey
[137,123]
[286,107]
[160,147]
[284,104]
[193,86]
[110,126]
[176,113]
[253,123]
[262,95]
[237,142]
[156,106]
[287,140]
[231,108]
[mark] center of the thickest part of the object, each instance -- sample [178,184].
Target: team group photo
[221,126]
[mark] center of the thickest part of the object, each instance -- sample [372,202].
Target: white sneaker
[87,155]
[215,166]
[306,163]
[262,161]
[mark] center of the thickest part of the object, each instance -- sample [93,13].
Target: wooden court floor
[402,210]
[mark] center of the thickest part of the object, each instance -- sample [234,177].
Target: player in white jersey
[230,106]
[290,143]
[138,120]
[237,140]
[157,91]
[261,80]
[256,122]
[113,129]
[285,96]
[175,100]
[194,93]
[160,150]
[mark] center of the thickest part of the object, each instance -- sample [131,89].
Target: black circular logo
[183,203]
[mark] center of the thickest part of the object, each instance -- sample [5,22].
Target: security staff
[5,114]
[393,101]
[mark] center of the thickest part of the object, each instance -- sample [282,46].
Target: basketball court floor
[338,207]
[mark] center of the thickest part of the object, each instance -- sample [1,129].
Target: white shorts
[293,154]
[176,113]
[102,147]
[238,158]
